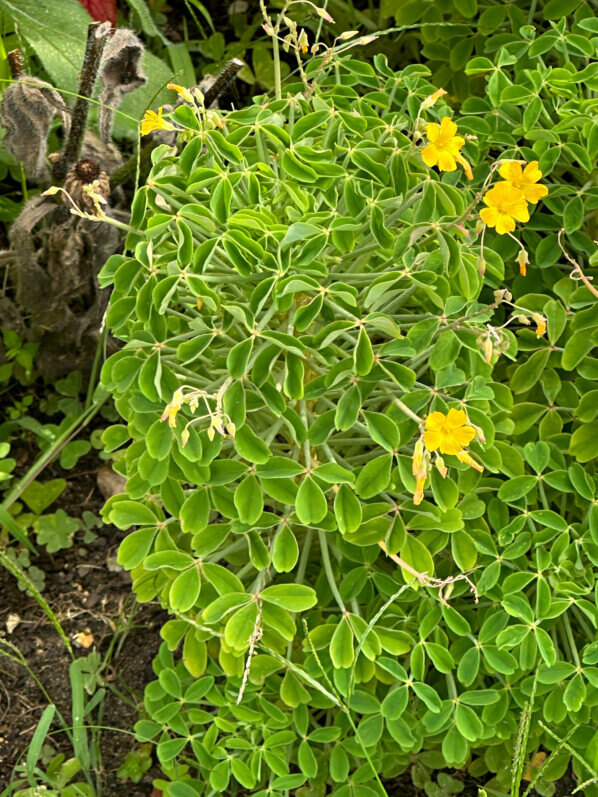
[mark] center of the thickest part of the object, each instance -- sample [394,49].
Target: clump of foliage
[360,405]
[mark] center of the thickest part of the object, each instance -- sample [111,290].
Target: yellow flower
[444,147]
[524,179]
[449,433]
[505,205]
[154,121]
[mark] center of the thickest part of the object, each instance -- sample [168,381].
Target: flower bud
[440,466]
[321,12]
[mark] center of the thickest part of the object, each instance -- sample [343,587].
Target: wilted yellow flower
[418,495]
[523,260]
[488,349]
[183,93]
[444,147]
[417,463]
[154,121]
[432,99]
[505,205]
[524,179]
[449,433]
[540,324]
[172,409]
[463,456]
[440,466]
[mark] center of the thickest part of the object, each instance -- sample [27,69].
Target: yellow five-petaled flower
[444,149]
[506,204]
[524,179]
[154,121]
[449,433]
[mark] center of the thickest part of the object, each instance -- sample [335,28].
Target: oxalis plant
[359,405]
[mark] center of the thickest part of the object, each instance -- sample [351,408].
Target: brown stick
[15,62]
[97,34]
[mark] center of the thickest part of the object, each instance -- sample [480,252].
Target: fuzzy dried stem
[223,81]
[255,637]
[15,62]
[577,273]
[429,581]
[97,34]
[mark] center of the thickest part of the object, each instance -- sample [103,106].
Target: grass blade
[80,742]
[39,737]
[11,525]
[21,576]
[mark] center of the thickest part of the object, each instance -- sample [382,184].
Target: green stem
[71,431]
[96,367]
[328,570]
[571,639]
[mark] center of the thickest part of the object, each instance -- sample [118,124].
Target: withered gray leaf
[121,72]
[28,107]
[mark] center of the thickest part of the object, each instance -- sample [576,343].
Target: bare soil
[89,594]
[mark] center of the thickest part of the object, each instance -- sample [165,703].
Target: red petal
[101,10]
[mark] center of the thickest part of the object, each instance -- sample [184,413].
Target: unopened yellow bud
[321,12]
[185,437]
[440,466]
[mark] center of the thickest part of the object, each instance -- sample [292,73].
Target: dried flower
[183,93]
[523,260]
[432,99]
[540,324]
[464,456]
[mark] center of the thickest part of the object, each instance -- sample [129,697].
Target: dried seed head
[121,73]
[28,107]
[87,186]
[87,170]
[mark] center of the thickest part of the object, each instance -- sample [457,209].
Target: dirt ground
[89,594]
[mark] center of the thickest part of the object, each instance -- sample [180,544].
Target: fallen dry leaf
[534,764]
[84,638]
[12,622]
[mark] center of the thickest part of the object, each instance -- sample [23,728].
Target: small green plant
[136,764]
[18,358]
